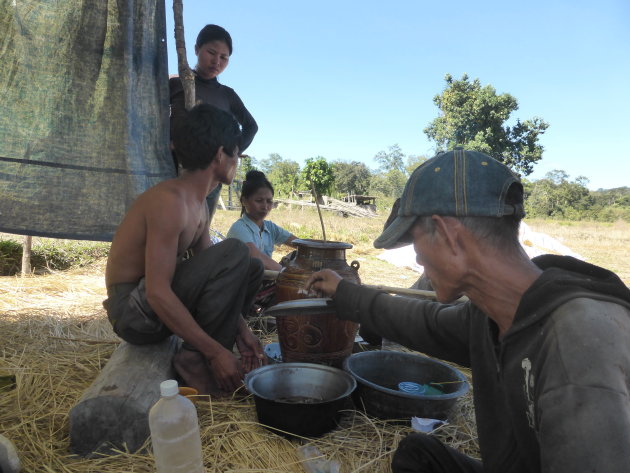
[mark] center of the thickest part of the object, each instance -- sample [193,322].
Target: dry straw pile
[55,340]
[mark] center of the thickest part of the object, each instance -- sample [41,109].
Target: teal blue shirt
[247,231]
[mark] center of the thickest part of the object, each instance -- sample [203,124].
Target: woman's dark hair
[214,33]
[198,136]
[254,180]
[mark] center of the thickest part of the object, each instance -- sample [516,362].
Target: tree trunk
[185,73]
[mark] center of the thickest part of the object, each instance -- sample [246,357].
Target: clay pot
[310,332]
[311,256]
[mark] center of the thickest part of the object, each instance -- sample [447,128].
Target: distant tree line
[474,117]
[338,178]
[557,197]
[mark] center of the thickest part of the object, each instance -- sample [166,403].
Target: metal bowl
[379,373]
[302,399]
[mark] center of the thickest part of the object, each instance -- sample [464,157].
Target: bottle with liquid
[175,432]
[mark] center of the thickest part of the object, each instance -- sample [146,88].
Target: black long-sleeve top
[212,92]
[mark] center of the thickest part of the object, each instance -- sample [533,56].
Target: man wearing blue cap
[547,340]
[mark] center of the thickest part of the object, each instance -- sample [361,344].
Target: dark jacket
[552,395]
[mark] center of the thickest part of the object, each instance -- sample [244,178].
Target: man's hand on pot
[324,281]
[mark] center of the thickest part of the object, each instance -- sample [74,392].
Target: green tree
[557,197]
[617,197]
[320,173]
[351,178]
[266,165]
[283,174]
[393,174]
[389,184]
[475,117]
[246,164]
[392,159]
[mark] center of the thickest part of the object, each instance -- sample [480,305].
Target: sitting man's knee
[256,266]
[409,455]
[234,244]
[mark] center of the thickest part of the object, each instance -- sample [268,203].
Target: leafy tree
[394,159]
[266,165]
[283,174]
[391,179]
[389,184]
[474,117]
[617,197]
[556,196]
[320,173]
[352,178]
[247,164]
[285,177]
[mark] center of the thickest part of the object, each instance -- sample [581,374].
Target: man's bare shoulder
[159,210]
[167,197]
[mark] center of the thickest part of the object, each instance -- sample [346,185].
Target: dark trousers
[420,453]
[216,286]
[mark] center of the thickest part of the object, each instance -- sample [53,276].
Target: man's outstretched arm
[165,222]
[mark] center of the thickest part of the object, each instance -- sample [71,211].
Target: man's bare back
[173,202]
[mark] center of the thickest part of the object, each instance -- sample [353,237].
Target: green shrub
[51,254]
[10,257]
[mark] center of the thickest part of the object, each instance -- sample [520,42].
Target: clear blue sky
[347,79]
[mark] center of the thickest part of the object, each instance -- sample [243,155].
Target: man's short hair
[457,183]
[200,133]
[214,33]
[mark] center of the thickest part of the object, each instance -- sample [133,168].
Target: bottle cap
[169,388]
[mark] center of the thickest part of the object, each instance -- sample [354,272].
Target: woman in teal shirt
[259,234]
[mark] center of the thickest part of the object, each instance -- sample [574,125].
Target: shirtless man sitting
[154,292]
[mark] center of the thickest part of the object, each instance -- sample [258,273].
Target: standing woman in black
[213,49]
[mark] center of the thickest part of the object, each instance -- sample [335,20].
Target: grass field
[603,244]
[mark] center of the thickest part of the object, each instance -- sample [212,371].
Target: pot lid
[302,306]
[321,244]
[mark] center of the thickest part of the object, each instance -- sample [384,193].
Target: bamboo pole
[403,291]
[319,211]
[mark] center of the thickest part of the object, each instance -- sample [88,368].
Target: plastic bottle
[175,432]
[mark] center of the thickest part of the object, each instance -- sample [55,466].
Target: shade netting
[83,113]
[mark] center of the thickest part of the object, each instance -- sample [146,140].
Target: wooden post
[26,255]
[185,73]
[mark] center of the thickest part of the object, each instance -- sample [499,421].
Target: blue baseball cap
[456,183]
